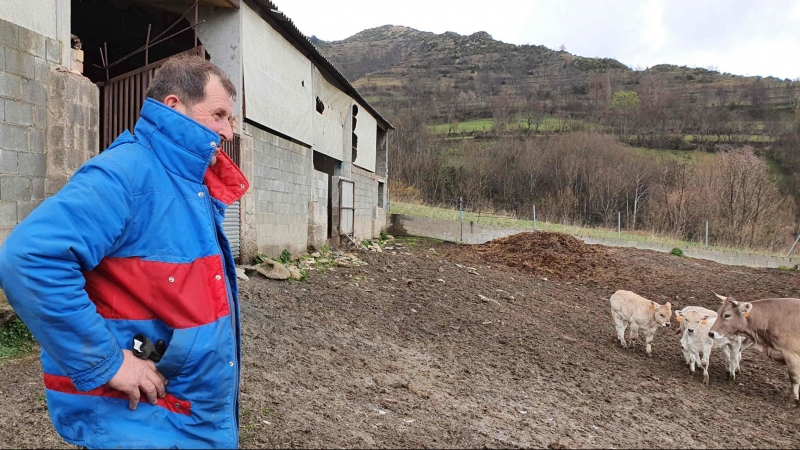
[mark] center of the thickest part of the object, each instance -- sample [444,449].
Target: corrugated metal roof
[317,57]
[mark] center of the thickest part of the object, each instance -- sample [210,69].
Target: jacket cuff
[100,374]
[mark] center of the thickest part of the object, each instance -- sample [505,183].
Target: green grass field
[681,156]
[409,209]
[548,125]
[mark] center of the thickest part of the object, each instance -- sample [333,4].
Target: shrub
[677,252]
[15,338]
[286,257]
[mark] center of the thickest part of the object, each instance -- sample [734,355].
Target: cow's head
[731,318]
[662,313]
[693,321]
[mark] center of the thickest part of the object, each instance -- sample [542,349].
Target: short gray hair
[187,77]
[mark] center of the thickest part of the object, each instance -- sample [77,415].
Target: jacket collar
[185,148]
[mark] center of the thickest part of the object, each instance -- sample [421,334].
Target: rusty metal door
[232,222]
[347,207]
[123,97]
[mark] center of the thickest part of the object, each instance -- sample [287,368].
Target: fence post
[706,234]
[793,246]
[461,213]
[534,217]
[619,224]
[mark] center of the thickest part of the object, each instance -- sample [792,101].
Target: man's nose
[226,132]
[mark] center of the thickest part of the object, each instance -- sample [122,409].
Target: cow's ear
[668,305]
[745,308]
[678,313]
[653,305]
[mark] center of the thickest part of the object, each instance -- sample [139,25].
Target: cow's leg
[793,364]
[730,361]
[620,325]
[648,338]
[687,354]
[735,348]
[705,360]
[634,333]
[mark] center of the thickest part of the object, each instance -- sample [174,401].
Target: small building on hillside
[73,74]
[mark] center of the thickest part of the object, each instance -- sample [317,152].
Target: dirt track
[388,356]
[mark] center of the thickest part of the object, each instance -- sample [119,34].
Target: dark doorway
[122,25]
[112,34]
[327,165]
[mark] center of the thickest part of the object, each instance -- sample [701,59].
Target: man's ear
[174,102]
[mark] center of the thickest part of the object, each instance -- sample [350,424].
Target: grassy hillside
[386,63]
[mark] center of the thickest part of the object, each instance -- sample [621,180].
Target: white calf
[629,309]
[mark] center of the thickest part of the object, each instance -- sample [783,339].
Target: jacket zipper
[234,316]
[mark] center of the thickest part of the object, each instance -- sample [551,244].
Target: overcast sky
[744,37]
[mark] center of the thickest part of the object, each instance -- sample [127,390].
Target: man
[134,244]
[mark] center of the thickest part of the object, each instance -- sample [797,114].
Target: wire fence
[535,217]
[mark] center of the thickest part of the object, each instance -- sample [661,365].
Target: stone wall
[26,62]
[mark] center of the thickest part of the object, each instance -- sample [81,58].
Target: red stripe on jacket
[64,384]
[225,181]
[180,295]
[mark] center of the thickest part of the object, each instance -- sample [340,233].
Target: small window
[380,194]
[320,106]
[355,147]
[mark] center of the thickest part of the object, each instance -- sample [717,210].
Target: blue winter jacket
[134,244]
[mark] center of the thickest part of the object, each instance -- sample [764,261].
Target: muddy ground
[404,353]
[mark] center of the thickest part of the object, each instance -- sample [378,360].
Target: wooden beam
[207,3]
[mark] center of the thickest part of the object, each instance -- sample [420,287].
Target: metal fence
[233,149]
[123,97]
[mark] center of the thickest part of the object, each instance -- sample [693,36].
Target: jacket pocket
[178,350]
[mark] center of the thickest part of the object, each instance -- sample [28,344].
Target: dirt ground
[404,353]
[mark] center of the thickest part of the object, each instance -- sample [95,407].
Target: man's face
[215,111]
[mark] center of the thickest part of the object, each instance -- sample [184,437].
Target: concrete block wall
[369,217]
[282,187]
[321,180]
[26,60]
[318,211]
[73,126]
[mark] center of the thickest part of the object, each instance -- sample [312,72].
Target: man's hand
[135,375]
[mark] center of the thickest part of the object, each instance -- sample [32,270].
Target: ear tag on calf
[704,322]
[652,307]
[679,318]
[746,314]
